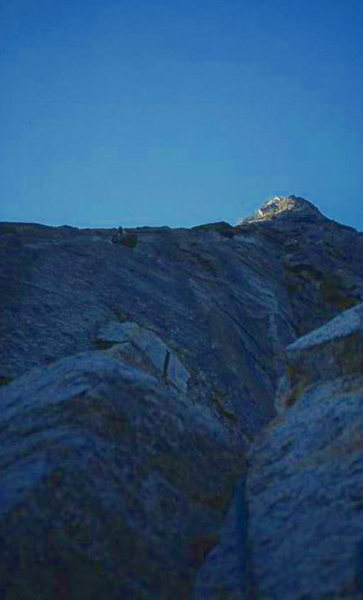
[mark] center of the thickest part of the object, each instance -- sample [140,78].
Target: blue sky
[168,112]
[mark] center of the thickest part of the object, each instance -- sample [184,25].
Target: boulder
[144,345]
[327,354]
[112,484]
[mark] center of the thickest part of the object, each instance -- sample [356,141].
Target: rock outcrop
[141,346]
[112,484]
[303,503]
[136,378]
[286,206]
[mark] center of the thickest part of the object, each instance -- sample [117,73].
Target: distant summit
[283,206]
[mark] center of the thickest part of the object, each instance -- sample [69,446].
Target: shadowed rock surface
[304,489]
[226,305]
[107,483]
[135,377]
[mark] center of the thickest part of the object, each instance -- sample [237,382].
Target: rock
[221,227]
[226,572]
[287,206]
[154,371]
[114,332]
[209,298]
[343,326]
[147,345]
[125,238]
[304,486]
[109,482]
[333,351]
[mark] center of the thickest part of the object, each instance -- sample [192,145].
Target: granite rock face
[142,346]
[112,484]
[226,300]
[322,260]
[304,490]
[135,378]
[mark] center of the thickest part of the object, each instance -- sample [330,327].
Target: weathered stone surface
[286,206]
[148,348]
[344,325]
[226,307]
[330,352]
[304,490]
[227,570]
[321,258]
[112,485]
[118,462]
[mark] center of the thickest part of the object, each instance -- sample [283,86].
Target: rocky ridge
[138,377]
[287,206]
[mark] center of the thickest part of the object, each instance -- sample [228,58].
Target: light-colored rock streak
[345,324]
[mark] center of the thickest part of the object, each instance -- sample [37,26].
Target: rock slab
[304,489]
[113,485]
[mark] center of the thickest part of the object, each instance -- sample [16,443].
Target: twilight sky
[179,112]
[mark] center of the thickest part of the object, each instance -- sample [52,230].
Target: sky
[169,112]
